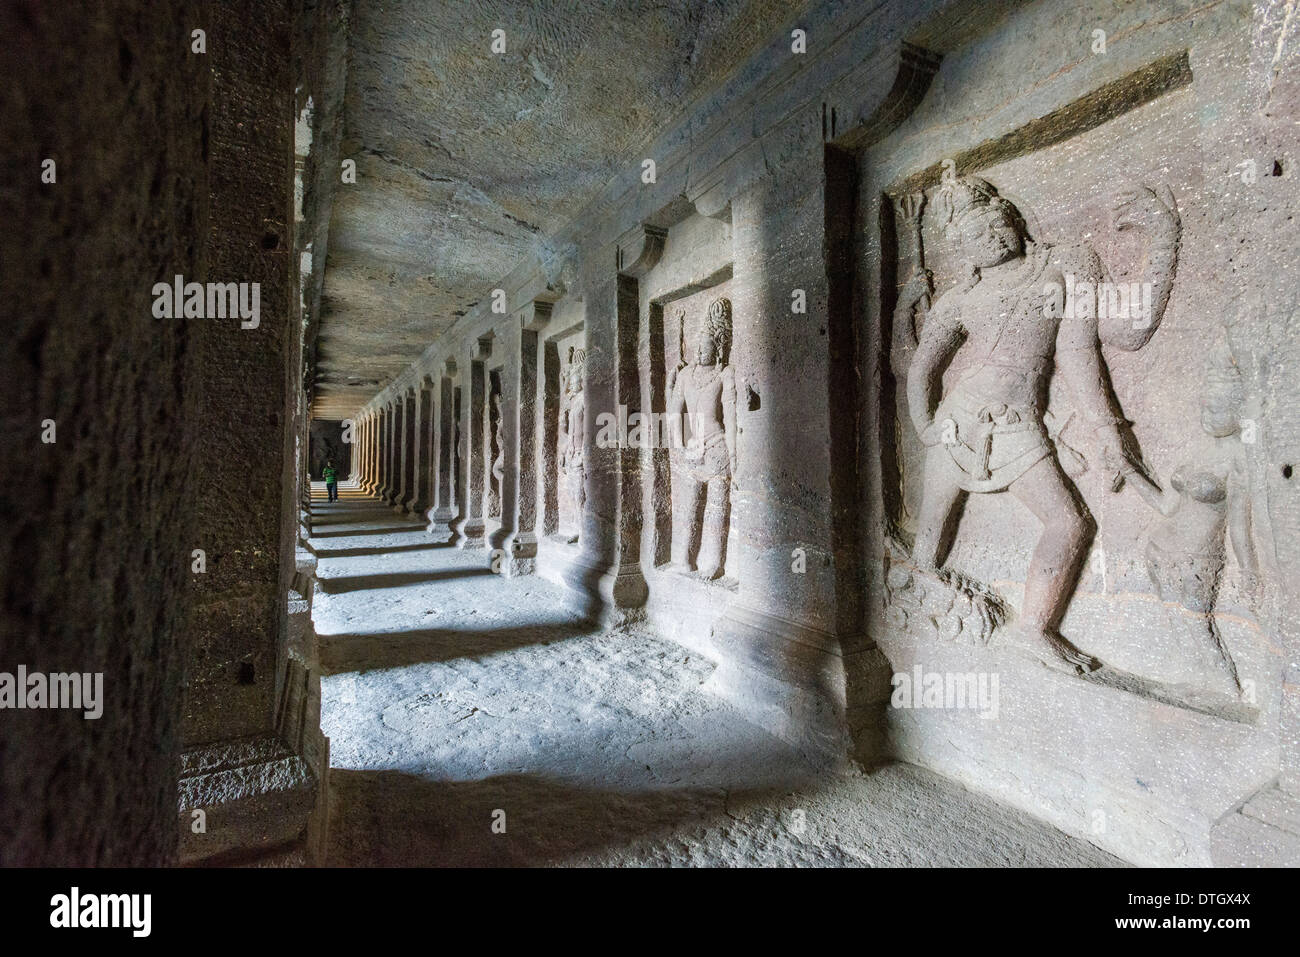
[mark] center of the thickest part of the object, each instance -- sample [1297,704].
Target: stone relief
[941,604]
[573,416]
[1021,313]
[703,401]
[458,452]
[496,452]
[1205,501]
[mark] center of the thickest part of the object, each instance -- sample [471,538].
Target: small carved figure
[458,452]
[704,391]
[498,457]
[573,417]
[1013,314]
[1206,497]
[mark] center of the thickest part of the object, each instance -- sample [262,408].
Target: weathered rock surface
[601,748]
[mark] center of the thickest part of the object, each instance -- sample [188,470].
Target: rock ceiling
[467,160]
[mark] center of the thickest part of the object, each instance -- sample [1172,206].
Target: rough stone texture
[455,186]
[879,210]
[252,676]
[601,747]
[96,524]
[247,449]
[320,71]
[816,179]
[255,794]
[1148,753]
[744,201]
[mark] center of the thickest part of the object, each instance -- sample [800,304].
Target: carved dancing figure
[988,432]
[705,392]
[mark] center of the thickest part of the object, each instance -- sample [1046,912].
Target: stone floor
[474,720]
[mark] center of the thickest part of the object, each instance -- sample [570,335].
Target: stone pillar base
[263,798]
[499,537]
[471,534]
[609,595]
[512,567]
[256,797]
[522,551]
[439,524]
[797,683]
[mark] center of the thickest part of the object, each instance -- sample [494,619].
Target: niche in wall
[563,422]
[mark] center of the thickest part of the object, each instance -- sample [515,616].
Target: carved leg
[940,496]
[1200,589]
[686,494]
[1055,564]
[713,534]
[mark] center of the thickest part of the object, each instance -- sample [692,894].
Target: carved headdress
[577,367]
[958,198]
[717,326]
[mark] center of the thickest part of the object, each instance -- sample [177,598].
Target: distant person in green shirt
[331,475]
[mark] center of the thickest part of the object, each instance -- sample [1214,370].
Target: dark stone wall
[245,502]
[94,553]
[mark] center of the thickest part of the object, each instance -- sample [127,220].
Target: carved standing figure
[705,392]
[498,457]
[1015,314]
[573,417]
[1207,499]
[458,453]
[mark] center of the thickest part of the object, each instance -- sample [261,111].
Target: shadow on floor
[357,532]
[347,583]
[359,652]
[897,815]
[449,823]
[377,550]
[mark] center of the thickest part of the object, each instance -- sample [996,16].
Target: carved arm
[939,339]
[675,411]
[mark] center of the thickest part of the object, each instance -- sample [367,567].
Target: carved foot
[1052,650]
